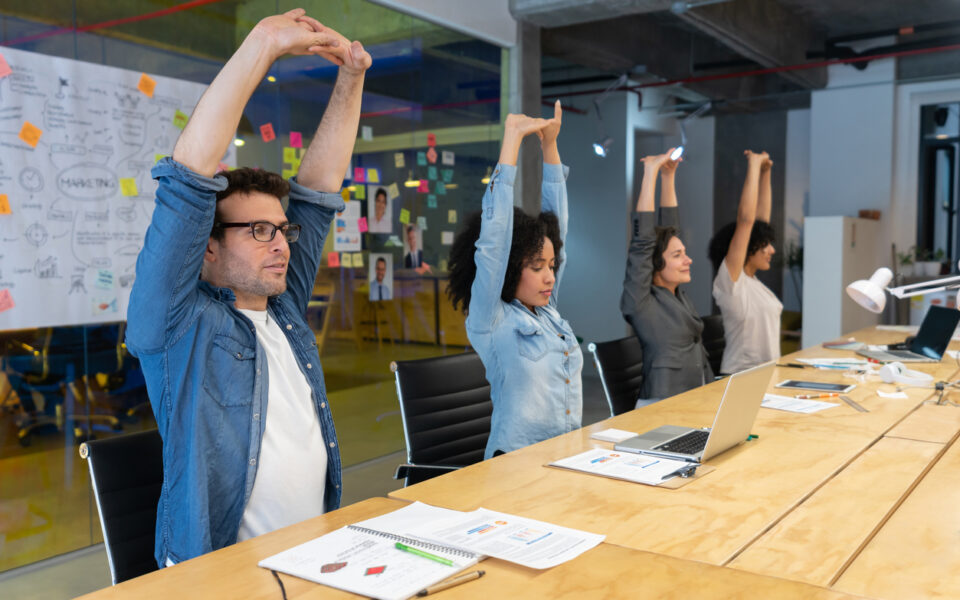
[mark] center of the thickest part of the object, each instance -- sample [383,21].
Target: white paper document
[897,395]
[797,405]
[649,470]
[834,363]
[613,435]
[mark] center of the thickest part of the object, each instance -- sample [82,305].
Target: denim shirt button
[323,405]
[239,355]
[289,326]
[568,381]
[309,366]
[256,416]
[333,444]
[253,461]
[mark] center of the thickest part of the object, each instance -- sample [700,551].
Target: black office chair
[446,410]
[714,341]
[620,363]
[126,473]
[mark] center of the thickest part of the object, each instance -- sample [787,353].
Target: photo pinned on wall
[379,210]
[346,230]
[413,249]
[381,276]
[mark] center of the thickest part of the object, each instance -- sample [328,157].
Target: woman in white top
[751,312]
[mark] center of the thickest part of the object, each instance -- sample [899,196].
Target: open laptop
[929,344]
[738,409]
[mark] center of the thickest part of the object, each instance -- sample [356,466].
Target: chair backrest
[126,473]
[446,408]
[714,341]
[620,363]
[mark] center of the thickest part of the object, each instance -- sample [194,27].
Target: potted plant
[926,266]
[906,262]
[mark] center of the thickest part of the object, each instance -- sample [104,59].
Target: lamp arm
[920,289]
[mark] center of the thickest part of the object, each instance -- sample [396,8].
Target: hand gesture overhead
[290,35]
[759,158]
[522,125]
[669,167]
[548,134]
[354,58]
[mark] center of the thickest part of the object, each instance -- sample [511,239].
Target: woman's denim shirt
[533,361]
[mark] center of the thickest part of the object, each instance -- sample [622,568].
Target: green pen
[418,552]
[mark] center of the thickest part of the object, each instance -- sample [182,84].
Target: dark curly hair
[761,235]
[528,235]
[245,180]
[664,235]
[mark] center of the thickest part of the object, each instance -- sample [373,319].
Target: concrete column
[524,97]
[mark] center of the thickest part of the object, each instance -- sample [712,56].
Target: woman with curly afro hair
[751,312]
[505,268]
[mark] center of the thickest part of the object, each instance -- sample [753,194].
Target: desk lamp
[868,293]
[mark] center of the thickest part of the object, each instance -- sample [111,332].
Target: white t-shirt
[751,320]
[292,470]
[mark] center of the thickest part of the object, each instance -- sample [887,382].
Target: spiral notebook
[367,562]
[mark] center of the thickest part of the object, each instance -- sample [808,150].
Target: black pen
[794,365]
[685,471]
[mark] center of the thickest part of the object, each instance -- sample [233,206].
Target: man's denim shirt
[532,360]
[206,373]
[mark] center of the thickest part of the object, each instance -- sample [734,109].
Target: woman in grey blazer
[674,359]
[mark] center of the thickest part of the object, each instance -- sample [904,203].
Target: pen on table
[449,583]
[813,396]
[418,552]
[794,365]
[684,471]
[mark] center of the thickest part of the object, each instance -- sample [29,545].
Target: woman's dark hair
[761,235]
[664,235]
[528,235]
[246,180]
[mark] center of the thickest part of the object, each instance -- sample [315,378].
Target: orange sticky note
[266,132]
[333,259]
[345,194]
[146,85]
[4,67]
[431,140]
[4,205]
[431,156]
[6,300]
[30,134]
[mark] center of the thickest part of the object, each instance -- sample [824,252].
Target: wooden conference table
[821,505]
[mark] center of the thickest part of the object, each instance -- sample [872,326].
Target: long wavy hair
[528,235]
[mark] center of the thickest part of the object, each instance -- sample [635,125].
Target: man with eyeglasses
[217,311]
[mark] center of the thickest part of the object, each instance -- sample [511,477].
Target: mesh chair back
[620,363]
[126,473]
[714,341]
[446,409]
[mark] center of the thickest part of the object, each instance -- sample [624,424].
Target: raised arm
[746,215]
[765,201]
[553,190]
[214,121]
[496,227]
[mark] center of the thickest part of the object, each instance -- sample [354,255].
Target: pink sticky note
[333,259]
[431,139]
[266,132]
[359,175]
[296,140]
[4,67]
[6,301]
[223,167]
[431,156]
[424,186]
[362,224]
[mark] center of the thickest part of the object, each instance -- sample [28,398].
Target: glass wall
[429,132]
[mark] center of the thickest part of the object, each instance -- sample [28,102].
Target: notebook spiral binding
[415,542]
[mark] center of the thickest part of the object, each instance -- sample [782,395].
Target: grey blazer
[674,359]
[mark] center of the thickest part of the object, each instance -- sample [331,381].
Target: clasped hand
[294,32]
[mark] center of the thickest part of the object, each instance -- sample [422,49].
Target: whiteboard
[69,246]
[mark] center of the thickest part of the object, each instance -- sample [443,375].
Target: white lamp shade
[869,293]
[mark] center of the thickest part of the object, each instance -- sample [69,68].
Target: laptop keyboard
[688,443]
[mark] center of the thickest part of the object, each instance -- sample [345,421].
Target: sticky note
[446,238]
[393,240]
[128,186]
[431,156]
[422,223]
[431,139]
[4,205]
[30,134]
[431,201]
[266,132]
[346,260]
[358,259]
[157,157]
[288,173]
[360,192]
[362,225]
[447,175]
[393,191]
[223,167]
[404,216]
[441,188]
[296,139]
[146,85]
[447,157]
[421,159]
[290,155]
[333,259]
[451,216]
[359,175]
[6,300]
[443,264]
[424,186]
[373,175]
[4,67]
[366,133]
[398,161]
[432,173]
[180,119]
[345,194]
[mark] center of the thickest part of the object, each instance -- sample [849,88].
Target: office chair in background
[620,364]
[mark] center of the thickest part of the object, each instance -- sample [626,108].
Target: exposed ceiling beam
[763,31]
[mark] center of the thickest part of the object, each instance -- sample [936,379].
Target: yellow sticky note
[451,216]
[346,260]
[373,175]
[30,134]
[393,191]
[146,85]
[290,155]
[157,157]
[180,119]
[358,259]
[128,186]
[345,194]
[360,192]
[4,205]
[404,216]
[288,173]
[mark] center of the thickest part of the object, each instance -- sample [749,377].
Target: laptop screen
[935,332]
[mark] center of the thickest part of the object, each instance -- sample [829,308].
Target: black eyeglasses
[264,231]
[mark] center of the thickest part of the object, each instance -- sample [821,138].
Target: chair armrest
[407,470]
